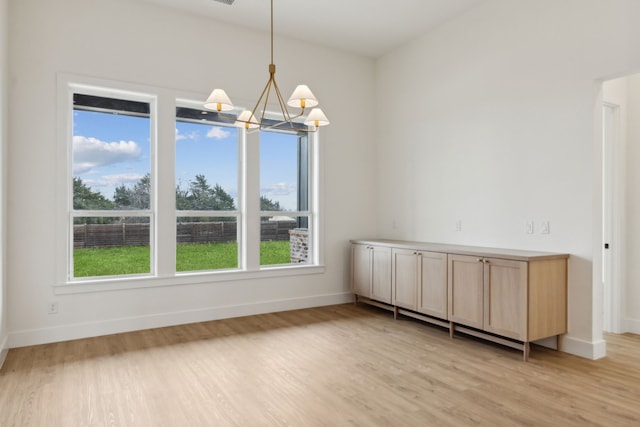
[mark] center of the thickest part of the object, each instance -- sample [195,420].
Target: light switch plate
[544,227]
[528,228]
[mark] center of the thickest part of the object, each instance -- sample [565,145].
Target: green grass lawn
[189,257]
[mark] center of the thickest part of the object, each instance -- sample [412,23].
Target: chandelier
[302,98]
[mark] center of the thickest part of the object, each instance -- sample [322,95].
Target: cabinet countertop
[514,254]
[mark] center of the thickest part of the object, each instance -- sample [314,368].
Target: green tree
[122,197]
[200,194]
[267,204]
[223,200]
[84,198]
[136,197]
[182,199]
[140,198]
[202,197]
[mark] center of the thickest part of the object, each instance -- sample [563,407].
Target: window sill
[182,279]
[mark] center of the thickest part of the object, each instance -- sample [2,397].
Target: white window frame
[309,213]
[163,198]
[71,213]
[238,213]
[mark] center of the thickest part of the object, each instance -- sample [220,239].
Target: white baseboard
[588,349]
[632,326]
[4,350]
[129,324]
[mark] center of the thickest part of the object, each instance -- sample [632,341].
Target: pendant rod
[272,31]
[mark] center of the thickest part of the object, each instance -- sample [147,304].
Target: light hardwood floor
[330,366]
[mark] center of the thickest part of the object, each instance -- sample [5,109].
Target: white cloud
[114,180]
[122,178]
[107,183]
[89,153]
[279,189]
[193,136]
[216,132]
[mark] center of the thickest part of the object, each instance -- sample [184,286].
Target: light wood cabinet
[505,298]
[488,294]
[512,297]
[361,270]
[419,281]
[466,290]
[404,278]
[520,300]
[371,272]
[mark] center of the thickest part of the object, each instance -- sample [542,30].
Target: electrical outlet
[53,307]
[459,225]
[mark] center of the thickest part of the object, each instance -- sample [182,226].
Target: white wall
[142,43]
[4,59]
[490,119]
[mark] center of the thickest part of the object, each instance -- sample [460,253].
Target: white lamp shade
[247,120]
[302,97]
[316,118]
[218,101]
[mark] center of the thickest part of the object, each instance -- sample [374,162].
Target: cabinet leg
[395,313]
[355,300]
[525,352]
[452,328]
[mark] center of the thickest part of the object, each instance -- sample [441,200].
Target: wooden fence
[109,235]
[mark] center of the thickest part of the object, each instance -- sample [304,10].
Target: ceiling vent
[229,2]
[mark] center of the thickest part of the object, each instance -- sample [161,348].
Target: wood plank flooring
[331,366]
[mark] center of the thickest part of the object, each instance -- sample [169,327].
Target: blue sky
[110,150]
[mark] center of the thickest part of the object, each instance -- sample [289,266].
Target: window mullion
[316,201]
[165,219]
[251,202]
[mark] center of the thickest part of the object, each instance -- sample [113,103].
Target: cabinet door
[432,292]
[405,278]
[361,270]
[466,290]
[505,299]
[381,274]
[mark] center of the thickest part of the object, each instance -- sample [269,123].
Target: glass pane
[111,246]
[111,154]
[284,241]
[206,165]
[206,243]
[283,172]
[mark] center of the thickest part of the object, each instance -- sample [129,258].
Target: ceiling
[366,27]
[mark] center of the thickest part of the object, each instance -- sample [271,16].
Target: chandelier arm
[255,108]
[278,126]
[283,105]
[266,101]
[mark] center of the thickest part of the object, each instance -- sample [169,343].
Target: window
[206,192]
[111,210]
[284,198]
[160,191]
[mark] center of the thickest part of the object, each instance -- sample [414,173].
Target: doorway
[620,205]
[612,244]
